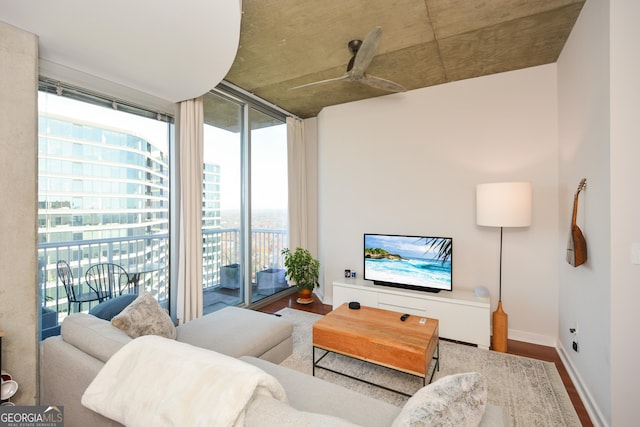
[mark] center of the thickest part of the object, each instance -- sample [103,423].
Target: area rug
[530,391]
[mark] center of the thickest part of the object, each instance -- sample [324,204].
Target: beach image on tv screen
[408,260]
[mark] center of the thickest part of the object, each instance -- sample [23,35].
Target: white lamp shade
[503,204]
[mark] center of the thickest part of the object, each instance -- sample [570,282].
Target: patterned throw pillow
[457,400]
[145,316]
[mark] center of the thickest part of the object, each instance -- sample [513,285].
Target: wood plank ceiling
[285,43]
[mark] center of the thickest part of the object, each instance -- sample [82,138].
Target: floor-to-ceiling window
[269,199]
[244,201]
[222,244]
[103,194]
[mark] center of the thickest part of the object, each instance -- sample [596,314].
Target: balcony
[146,258]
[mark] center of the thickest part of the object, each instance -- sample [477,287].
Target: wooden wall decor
[577,246]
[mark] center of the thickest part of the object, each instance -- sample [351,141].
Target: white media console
[462,316]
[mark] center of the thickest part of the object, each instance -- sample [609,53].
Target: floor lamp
[502,204]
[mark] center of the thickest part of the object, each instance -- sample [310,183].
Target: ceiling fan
[363,53]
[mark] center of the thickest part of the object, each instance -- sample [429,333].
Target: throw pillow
[455,400]
[109,309]
[145,316]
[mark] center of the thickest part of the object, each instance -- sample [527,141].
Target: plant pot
[271,280]
[304,296]
[230,276]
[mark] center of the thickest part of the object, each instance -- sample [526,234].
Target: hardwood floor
[548,354]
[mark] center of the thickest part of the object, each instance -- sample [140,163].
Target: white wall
[584,137]
[625,210]
[311,142]
[18,180]
[409,163]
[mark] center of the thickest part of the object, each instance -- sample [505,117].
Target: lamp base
[500,327]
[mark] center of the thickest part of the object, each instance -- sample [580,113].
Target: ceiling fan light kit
[363,53]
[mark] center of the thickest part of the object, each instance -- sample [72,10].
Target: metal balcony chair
[110,280]
[74,292]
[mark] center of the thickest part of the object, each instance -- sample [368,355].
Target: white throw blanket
[155,381]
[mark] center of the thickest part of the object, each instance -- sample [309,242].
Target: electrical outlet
[574,334]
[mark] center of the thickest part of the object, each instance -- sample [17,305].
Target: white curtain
[189,293]
[297,155]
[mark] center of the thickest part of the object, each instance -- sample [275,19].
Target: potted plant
[303,269]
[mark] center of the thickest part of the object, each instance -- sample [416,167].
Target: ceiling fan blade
[380,83]
[367,51]
[322,82]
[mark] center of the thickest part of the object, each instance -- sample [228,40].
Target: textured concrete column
[18,200]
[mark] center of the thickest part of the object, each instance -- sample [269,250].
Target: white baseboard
[590,405]
[320,295]
[532,338]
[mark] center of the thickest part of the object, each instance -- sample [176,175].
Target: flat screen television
[421,263]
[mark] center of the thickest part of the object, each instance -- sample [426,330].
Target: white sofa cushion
[93,336]
[312,394]
[457,400]
[236,332]
[265,411]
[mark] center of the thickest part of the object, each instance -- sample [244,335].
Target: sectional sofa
[71,361]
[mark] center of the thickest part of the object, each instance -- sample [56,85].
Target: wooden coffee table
[380,337]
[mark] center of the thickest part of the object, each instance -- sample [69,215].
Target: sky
[269,173]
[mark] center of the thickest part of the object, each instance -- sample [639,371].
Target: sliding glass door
[222,223]
[244,202]
[268,203]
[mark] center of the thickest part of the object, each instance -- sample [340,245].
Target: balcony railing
[148,257]
[224,246]
[145,256]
